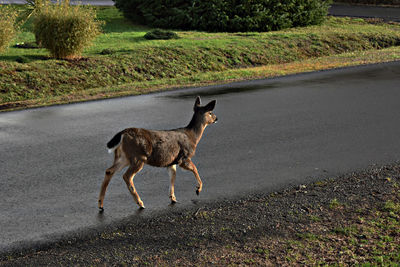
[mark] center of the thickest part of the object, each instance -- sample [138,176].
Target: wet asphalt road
[386,13]
[270,134]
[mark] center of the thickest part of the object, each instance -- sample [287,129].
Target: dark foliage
[225,15]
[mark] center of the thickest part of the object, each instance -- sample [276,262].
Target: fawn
[135,147]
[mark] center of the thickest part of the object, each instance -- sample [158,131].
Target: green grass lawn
[122,62]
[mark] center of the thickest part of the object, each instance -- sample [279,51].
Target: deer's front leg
[189,165]
[172,175]
[117,166]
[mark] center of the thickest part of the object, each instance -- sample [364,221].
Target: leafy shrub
[65,30]
[158,34]
[225,15]
[107,51]
[7,26]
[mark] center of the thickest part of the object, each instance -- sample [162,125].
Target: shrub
[158,34]
[225,15]
[107,51]
[65,30]
[7,26]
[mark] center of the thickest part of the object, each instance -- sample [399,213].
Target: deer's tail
[114,142]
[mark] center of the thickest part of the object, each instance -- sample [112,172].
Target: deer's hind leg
[119,163]
[133,169]
[172,175]
[189,165]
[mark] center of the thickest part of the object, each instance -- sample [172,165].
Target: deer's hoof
[142,207]
[101,209]
[197,192]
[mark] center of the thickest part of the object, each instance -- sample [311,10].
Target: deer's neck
[196,128]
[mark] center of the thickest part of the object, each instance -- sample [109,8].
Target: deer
[135,147]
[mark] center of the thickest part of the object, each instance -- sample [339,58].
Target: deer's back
[158,148]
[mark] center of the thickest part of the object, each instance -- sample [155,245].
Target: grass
[122,62]
[372,239]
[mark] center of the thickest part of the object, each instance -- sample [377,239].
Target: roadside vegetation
[122,61]
[65,30]
[7,29]
[225,15]
[352,220]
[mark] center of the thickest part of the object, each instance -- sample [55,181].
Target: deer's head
[204,114]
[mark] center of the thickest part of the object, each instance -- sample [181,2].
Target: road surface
[270,134]
[379,12]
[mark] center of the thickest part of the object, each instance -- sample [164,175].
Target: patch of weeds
[112,235]
[321,183]
[262,251]
[206,215]
[273,195]
[390,206]
[315,218]
[225,229]
[334,204]
[346,231]
[307,236]
[294,244]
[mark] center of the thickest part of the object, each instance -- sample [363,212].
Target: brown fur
[160,149]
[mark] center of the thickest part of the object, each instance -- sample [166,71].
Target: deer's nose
[215,121]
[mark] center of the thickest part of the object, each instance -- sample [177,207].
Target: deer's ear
[197,103]
[210,106]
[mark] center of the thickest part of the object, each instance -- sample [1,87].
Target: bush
[225,15]
[158,34]
[7,26]
[65,30]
